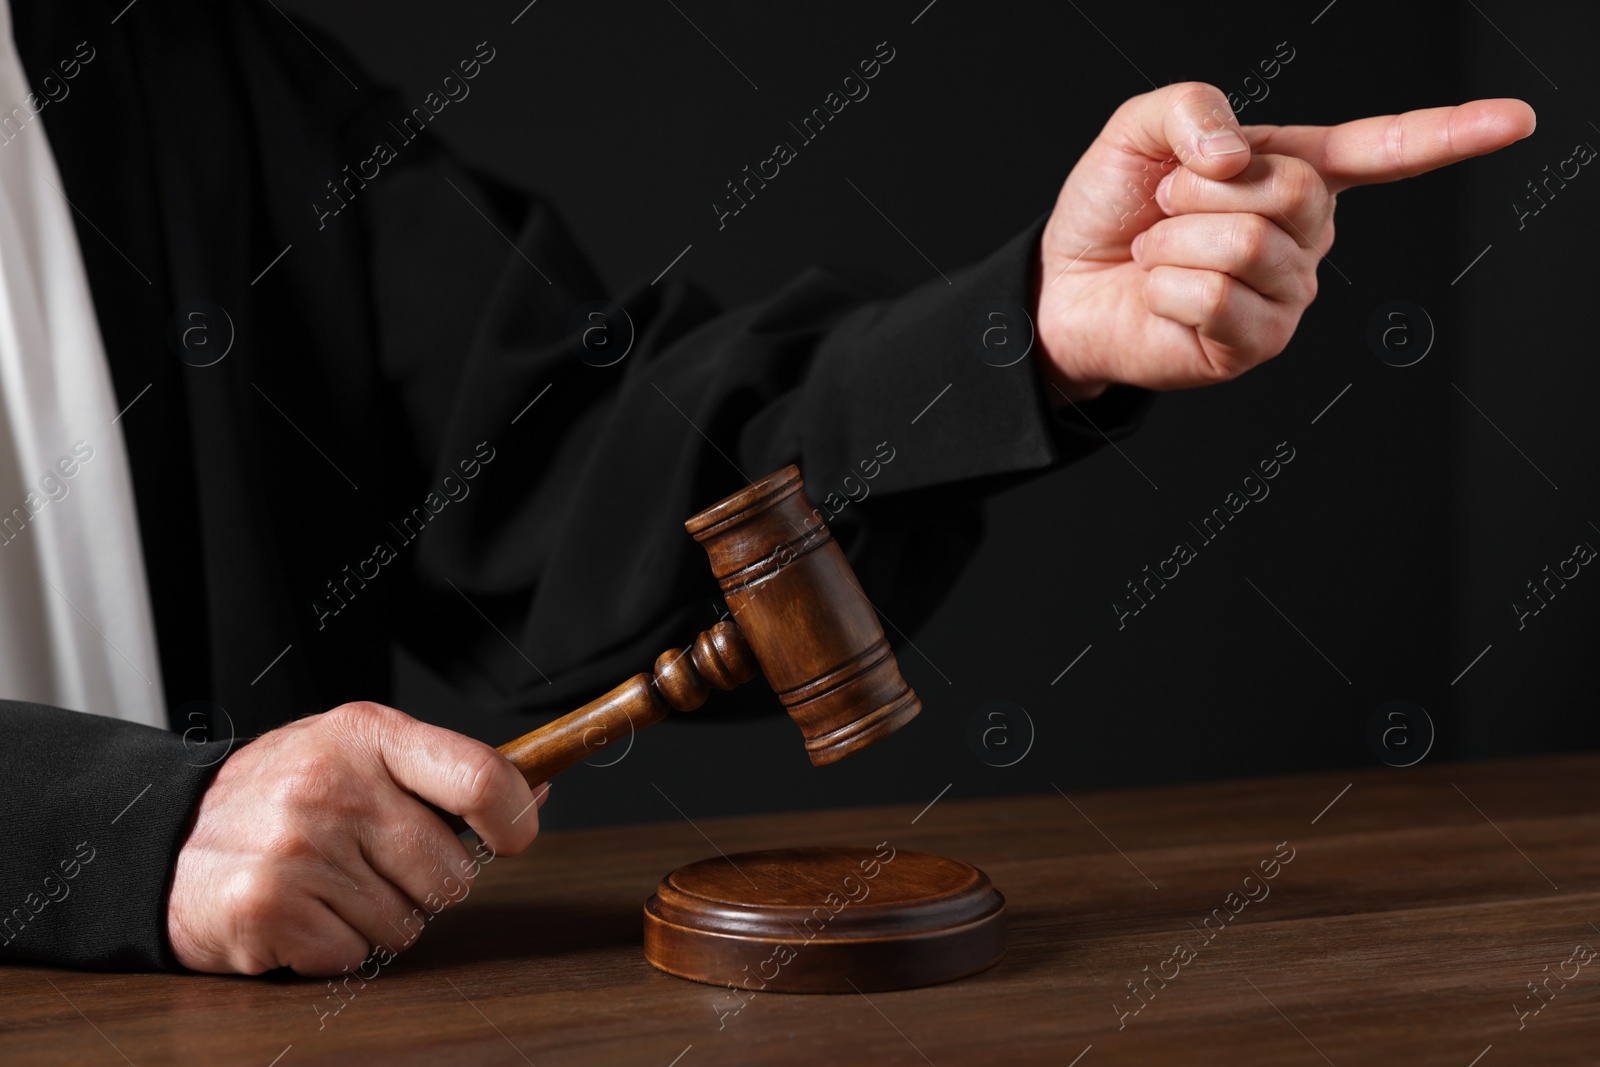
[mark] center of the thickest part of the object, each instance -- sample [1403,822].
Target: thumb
[448,770]
[1190,122]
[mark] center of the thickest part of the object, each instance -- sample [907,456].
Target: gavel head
[811,629]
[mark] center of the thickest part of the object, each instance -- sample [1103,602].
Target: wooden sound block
[825,920]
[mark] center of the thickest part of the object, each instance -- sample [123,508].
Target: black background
[1388,554]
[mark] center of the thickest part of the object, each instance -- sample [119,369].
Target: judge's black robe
[379,354]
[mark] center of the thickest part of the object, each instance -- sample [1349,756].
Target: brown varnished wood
[555,746]
[1403,932]
[806,618]
[683,679]
[824,920]
[799,617]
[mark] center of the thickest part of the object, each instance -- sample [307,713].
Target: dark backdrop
[1383,565]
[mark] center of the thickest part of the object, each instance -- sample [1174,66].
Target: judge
[256,427]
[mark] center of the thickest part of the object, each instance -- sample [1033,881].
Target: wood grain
[807,620]
[801,618]
[1403,930]
[825,919]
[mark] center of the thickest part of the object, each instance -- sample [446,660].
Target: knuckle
[1289,267]
[1214,294]
[258,901]
[1156,241]
[482,776]
[1203,105]
[1297,183]
[248,961]
[1394,143]
[1182,190]
[409,930]
[1192,92]
[359,716]
[454,888]
[310,782]
[1249,239]
[466,871]
[284,842]
[1329,230]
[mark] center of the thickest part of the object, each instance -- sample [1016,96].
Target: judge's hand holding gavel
[1182,251]
[311,846]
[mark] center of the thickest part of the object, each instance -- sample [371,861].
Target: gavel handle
[576,736]
[590,730]
[719,658]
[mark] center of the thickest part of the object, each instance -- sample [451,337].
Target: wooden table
[1417,906]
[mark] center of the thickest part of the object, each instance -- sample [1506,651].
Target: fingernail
[1222,143]
[539,797]
[1164,193]
[1138,243]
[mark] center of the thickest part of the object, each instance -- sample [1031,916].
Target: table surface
[1416,908]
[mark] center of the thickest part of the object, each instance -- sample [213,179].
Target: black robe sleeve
[571,540]
[95,811]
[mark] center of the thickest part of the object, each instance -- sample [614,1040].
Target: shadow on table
[529,932]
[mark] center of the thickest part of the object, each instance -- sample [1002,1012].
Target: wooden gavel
[798,615]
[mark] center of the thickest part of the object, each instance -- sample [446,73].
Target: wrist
[1064,388]
[1064,383]
[1054,350]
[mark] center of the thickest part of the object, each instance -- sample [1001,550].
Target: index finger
[1385,148]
